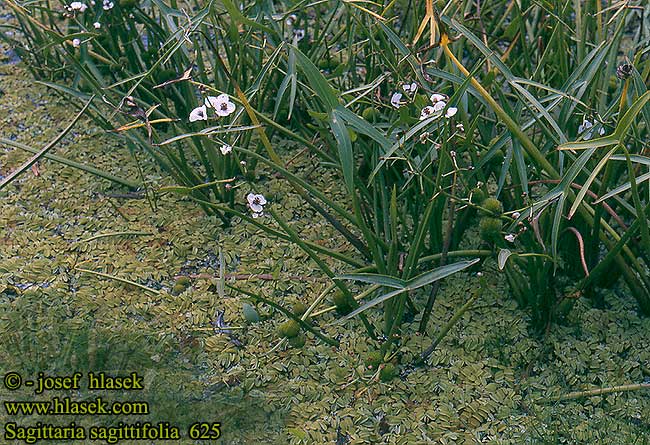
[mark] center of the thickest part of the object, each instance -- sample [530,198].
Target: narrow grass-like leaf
[383,280]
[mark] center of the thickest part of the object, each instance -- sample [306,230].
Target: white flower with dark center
[256,202]
[426,112]
[451,111]
[97,25]
[221,104]
[199,114]
[299,34]
[78,6]
[396,100]
[76,43]
[410,88]
[225,149]
[437,97]
[510,238]
[107,4]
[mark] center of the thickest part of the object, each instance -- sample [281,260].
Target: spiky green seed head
[343,304]
[388,372]
[298,341]
[478,196]
[178,289]
[183,281]
[492,206]
[374,359]
[289,329]
[250,314]
[299,308]
[490,228]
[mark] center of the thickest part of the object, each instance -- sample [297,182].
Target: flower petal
[451,111]
[439,106]
[199,114]
[396,99]
[437,97]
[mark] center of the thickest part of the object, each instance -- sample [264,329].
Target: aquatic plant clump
[354,226]
[446,136]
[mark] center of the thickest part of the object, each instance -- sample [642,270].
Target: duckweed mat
[490,381]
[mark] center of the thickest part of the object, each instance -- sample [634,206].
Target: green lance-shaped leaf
[371,278]
[317,81]
[416,283]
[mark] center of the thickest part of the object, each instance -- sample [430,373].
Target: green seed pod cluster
[490,228]
[344,304]
[299,308]
[492,206]
[478,196]
[289,329]
[388,372]
[180,286]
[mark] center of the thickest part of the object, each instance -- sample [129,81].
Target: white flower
[199,114]
[97,25]
[410,88]
[437,97]
[225,149]
[586,128]
[460,127]
[292,18]
[516,215]
[258,214]
[426,112]
[221,104]
[256,202]
[396,99]
[451,111]
[78,6]
[76,43]
[299,34]
[107,4]
[510,238]
[439,106]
